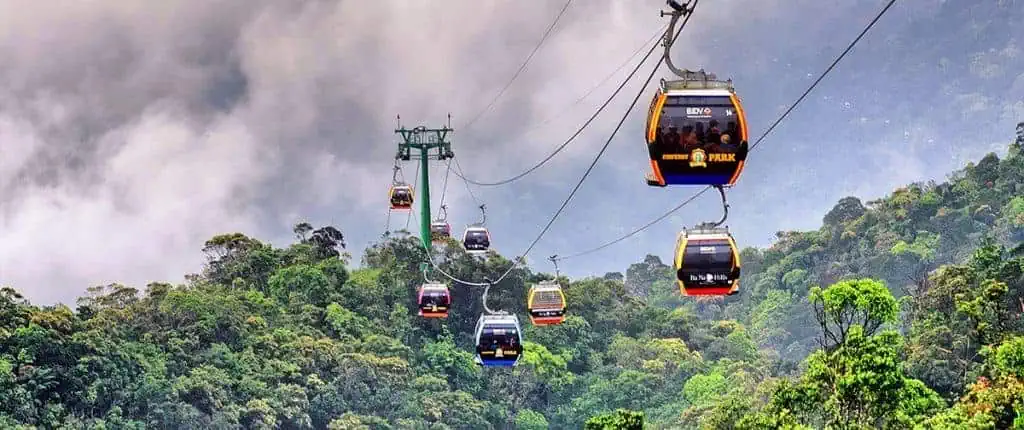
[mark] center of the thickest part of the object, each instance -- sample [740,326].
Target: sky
[132,131]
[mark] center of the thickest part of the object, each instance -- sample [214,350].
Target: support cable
[415,181]
[758,141]
[568,108]
[521,68]
[827,71]
[572,138]
[444,191]
[554,217]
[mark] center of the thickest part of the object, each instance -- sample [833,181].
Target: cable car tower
[424,140]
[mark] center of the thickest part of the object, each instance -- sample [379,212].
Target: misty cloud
[132,131]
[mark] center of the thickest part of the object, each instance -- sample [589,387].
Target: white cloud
[131,132]
[1013,112]
[163,191]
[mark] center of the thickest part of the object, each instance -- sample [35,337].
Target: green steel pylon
[424,140]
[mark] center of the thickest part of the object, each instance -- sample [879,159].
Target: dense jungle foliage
[903,312]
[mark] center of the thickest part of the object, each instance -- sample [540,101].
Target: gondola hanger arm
[678,11]
[484,297]
[425,267]
[725,208]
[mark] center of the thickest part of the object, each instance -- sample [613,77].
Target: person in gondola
[689,139]
[404,197]
[671,141]
[714,135]
[724,144]
[658,147]
[741,151]
[733,131]
[699,131]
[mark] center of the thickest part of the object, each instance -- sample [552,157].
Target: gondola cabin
[476,239]
[696,134]
[440,230]
[434,300]
[546,303]
[707,263]
[499,341]
[401,197]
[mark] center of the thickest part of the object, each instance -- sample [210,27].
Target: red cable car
[434,300]
[440,230]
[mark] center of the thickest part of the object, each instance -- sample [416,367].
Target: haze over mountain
[131,132]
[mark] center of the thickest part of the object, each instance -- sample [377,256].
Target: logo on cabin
[729,112]
[698,111]
[698,158]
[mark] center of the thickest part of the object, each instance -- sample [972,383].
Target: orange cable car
[696,132]
[401,196]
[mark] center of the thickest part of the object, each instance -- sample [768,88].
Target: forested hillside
[903,312]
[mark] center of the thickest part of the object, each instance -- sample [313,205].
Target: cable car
[401,196]
[440,230]
[499,341]
[696,132]
[707,263]
[434,300]
[546,303]
[476,239]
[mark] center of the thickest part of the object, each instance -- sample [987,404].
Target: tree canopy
[898,313]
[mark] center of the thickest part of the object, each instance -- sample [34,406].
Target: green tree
[621,419]
[862,302]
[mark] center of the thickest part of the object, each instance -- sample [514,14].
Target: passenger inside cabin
[713,135]
[725,144]
[658,146]
[741,150]
[689,139]
[433,298]
[401,196]
[700,132]
[672,139]
[733,131]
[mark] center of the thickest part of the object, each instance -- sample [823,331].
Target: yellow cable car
[707,263]
[546,303]
[696,132]
[401,196]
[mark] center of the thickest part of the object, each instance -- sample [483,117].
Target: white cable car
[499,341]
[476,239]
